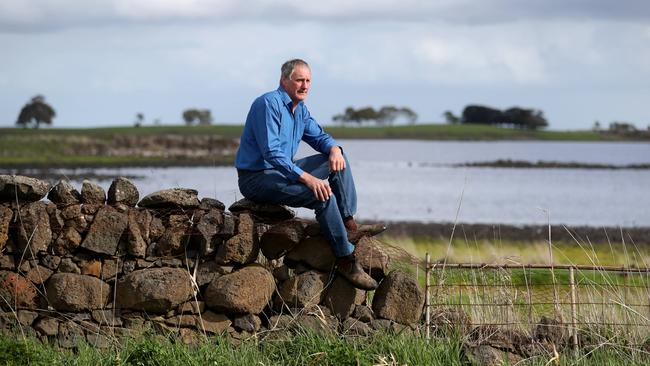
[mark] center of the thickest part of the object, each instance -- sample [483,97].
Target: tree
[451,118]
[37,111]
[524,118]
[513,117]
[386,115]
[481,114]
[139,118]
[622,127]
[203,116]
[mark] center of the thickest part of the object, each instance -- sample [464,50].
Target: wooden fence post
[427,295]
[574,321]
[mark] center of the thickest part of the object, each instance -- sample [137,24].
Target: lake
[403,180]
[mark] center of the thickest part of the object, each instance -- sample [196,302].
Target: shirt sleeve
[267,134]
[315,136]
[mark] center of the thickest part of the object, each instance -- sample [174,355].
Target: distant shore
[216,145]
[496,232]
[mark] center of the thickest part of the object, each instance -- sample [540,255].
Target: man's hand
[337,162]
[320,187]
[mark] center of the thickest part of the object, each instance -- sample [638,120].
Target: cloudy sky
[99,62]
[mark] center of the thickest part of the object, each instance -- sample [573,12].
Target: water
[413,181]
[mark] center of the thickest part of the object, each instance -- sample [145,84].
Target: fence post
[574,322]
[427,296]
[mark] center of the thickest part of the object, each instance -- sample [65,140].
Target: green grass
[303,349]
[79,147]
[419,132]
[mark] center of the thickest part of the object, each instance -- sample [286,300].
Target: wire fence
[595,304]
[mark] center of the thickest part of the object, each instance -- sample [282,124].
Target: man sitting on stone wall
[275,124]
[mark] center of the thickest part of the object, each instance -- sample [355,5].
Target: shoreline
[559,233]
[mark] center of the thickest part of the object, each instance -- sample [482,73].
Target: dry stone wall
[93,265]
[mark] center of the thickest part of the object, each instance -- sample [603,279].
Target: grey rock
[64,194]
[263,210]
[210,203]
[26,317]
[192,307]
[92,193]
[316,252]
[67,242]
[34,228]
[56,219]
[247,322]
[372,258]
[213,323]
[139,222]
[228,228]
[342,298]
[73,292]
[484,355]
[67,265]
[242,248]
[208,227]
[7,263]
[6,214]
[50,261]
[38,274]
[154,290]
[354,327]
[70,335]
[47,326]
[175,237]
[281,238]
[363,313]
[304,290]
[245,291]
[98,340]
[208,272]
[90,209]
[171,198]
[446,321]
[552,330]
[21,188]
[399,298]
[105,232]
[109,317]
[281,273]
[123,191]
[110,268]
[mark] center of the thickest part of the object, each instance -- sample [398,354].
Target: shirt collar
[286,99]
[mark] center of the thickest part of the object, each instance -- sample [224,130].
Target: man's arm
[320,187]
[322,142]
[267,135]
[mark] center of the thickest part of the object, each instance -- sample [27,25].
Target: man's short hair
[287,67]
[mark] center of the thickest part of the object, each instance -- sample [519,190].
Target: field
[516,296]
[301,349]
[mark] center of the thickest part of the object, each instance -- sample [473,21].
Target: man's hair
[287,67]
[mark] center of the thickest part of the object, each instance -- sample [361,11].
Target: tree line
[37,111]
[516,117]
[385,115]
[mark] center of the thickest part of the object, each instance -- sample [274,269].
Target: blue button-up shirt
[272,133]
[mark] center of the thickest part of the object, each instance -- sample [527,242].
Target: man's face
[298,86]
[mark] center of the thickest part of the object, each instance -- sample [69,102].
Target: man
[275,125]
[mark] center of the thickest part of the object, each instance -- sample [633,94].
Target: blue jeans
[271,186]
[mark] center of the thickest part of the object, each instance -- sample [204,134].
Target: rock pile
[90,265]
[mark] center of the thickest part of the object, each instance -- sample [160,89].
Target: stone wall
[92,266]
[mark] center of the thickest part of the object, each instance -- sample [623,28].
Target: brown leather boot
[349,268]
[356,232]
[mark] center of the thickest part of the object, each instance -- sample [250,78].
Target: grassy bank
[418,132]
[300,350]
[216,145]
